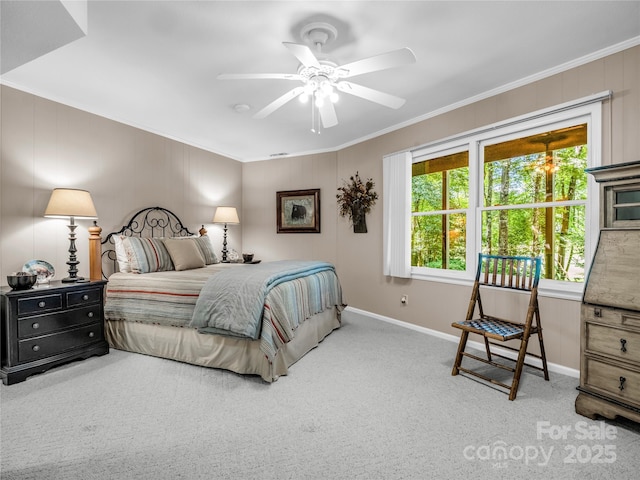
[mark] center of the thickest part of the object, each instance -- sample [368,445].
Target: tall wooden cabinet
[610,315]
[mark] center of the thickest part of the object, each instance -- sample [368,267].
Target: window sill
[562,290]
[551,289]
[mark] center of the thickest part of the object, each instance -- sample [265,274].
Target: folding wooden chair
[514,273]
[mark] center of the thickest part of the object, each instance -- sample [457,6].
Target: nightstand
[49,325]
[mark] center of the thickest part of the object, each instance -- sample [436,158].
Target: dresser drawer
[39,304]
[611,316]
[608,379]
[48,345]
[614,342]
[83,297]
[43,324]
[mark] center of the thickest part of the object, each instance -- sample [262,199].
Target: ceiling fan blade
[259,76]
[328,115]
[395,58]
[279,102]
[303,53]
[370,94]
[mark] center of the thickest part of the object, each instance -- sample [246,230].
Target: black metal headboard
[148,222]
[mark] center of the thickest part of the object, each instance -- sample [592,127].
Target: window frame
[448,149]
[587,111]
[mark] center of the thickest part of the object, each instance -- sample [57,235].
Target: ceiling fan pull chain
[313,117]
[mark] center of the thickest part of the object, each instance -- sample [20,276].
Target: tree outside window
[533,203]
[440,199]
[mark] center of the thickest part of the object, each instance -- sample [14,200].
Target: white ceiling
[153,64]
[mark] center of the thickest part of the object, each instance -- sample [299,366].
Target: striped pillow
[146,255]
[206,249]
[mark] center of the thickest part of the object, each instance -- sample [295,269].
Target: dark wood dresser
[49,325]
[610,315]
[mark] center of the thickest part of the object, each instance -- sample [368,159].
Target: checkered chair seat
[494,326]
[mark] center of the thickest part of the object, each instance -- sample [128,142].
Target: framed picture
[298,211]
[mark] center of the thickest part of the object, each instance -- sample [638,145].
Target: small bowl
[247,257]
[21,282]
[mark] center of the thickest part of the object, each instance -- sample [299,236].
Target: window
[534,199]
[439,203]
[514,188]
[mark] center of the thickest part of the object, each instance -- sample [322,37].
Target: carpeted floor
[373,401]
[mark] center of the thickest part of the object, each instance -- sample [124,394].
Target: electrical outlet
[404,300]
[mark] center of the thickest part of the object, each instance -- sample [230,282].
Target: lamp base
[224,246]
[72,279]
[73,261]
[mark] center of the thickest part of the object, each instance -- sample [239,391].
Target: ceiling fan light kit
[322,78]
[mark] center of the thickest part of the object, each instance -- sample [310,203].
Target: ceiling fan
[322,78]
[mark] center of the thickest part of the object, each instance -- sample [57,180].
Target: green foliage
[555,233]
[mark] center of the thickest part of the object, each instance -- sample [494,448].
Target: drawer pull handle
[91,334]
[42,304]
[622,380]
[90,314]
[85,297]
[35,348]
[597,312]
[35,326]
[623,345]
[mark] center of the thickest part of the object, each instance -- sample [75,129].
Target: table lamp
[72,203]
[225,215]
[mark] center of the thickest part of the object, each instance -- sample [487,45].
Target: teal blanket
[232,301]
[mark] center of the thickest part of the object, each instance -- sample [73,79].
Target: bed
[169,296]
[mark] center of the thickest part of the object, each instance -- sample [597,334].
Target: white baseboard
[553,367]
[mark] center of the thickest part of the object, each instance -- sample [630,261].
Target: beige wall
[45,145]
[359,256]
[261,181]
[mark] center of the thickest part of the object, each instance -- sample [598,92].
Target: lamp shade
[226,215]
[70,202]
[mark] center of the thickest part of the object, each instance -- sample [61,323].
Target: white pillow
[121,255]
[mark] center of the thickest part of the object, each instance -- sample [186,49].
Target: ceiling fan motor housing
[318,34]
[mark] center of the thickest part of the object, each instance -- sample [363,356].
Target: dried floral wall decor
[355,199]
